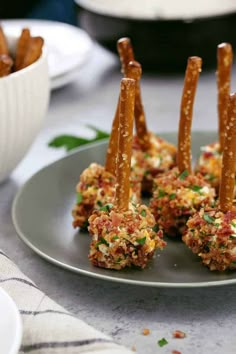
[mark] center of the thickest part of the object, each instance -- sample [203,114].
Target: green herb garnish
[172,196]
[106,207]
[70,142]
[162,342]
[99,203]
[141,241]
[196,188]
[79,198]
[155,228]
[233,224]
[208,218]
[161,193]
[115,238]
[143,213]
[102,241]
[183,175]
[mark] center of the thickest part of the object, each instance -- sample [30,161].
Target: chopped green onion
[196,188]
[102,241]
[106,207]
[155,228]
[143,213]
[162,342]
[161,193]
[141,241]
[208,218]
[172,196]
[79,198]
[183,175]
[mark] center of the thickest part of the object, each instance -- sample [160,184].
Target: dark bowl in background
[162,45]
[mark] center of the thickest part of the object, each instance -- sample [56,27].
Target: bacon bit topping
[176,352]
[179,334]
[146,331]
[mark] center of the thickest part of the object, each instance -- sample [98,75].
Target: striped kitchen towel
[47,327]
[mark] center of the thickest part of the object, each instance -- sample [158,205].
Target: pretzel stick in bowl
[186,113]
[224,66]
[227,182]
[126,114]
[21,48]
[6,64]
[3,43]
[33,52]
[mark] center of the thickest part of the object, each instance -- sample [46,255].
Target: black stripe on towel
[21,280]
[79,343]
[35,313]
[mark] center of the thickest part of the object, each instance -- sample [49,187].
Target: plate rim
[15,345]
[89,273]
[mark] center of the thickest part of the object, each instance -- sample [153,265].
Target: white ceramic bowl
[24,97]
[10,325]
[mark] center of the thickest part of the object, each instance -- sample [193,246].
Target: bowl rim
[30,67]
[87,6]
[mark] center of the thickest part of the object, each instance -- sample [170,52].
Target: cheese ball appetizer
[211,232]
[151,154]
[179,193]
[96,188]
[176,197]
[123,234]
[210,161]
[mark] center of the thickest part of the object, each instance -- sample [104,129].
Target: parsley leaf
[106,207]
[70,142]
[161,193]
[162,342]
[208,218]
[183,175]
[143,213]
[79,198]
[102,241]
[196,188]
[141,241]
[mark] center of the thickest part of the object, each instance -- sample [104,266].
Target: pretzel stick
[6,64]
[224,66]
[126,114]
[125,50]
[3,43]
[110,164]
[186,113]
[21,48]
[229,159]
[134,71]
[126,53]
[34,51]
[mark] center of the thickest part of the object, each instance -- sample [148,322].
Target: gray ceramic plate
[42,217]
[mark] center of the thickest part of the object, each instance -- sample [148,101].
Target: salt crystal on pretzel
[178,194]
[3,43]
[211,232]
[122,233]
[186,113]
[21,48]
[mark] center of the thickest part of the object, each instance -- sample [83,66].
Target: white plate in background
[10,325]
[68,46]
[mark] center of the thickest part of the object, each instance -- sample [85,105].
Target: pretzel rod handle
[134,71]
[224,66]
[33,52]
[126,54]
[227,182]
[186,113]
[126,115]
[112,150]
[6,64]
